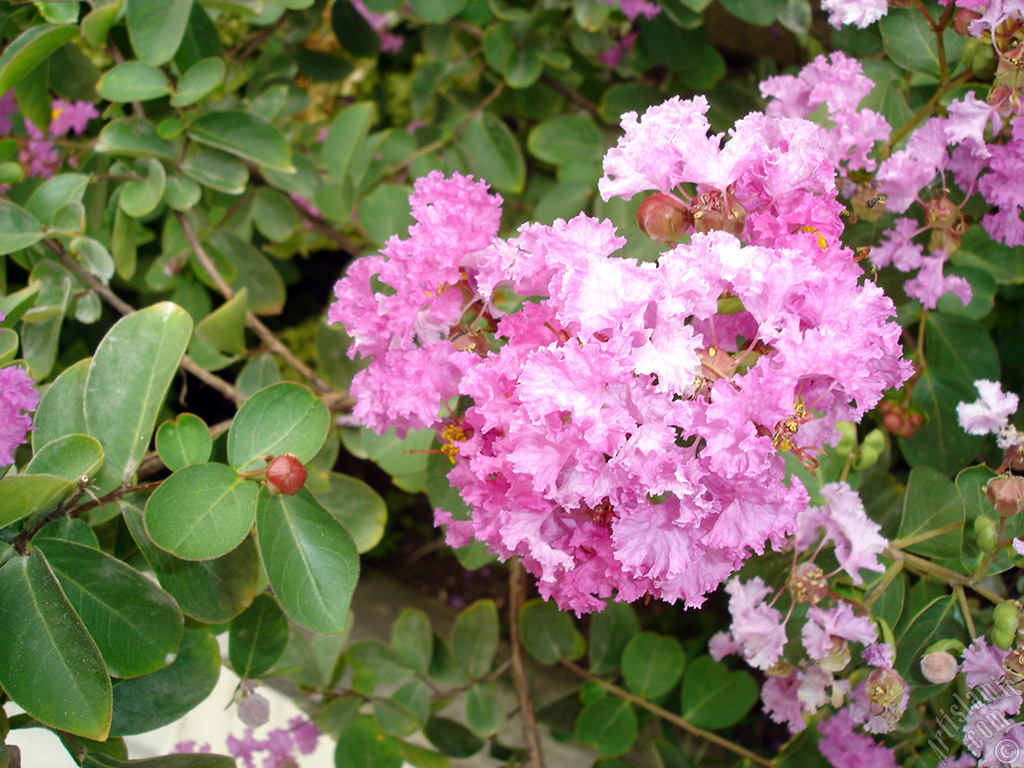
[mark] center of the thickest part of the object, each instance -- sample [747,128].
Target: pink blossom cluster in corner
[992,13]
[634,9]
[627,421]
[389,41]
[39,157]
[282,745]
[18,398]
[992,732]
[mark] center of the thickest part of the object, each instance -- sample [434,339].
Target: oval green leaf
[283,418]
[311,561]
[49,665]
[156,28]
[652,664]
[610,632]
[142,196]
[257,637]
[609,725]
[412,639]
[136,625]
[201,512]
[199,81]
[715,696]
[244,136]
[133,81]
[475,638]
[492,152]
[18,228]
[29,50]
[547,632]
[358,507]
[24,495]
[134,137]
[184,441]
[62,407]
[69,457]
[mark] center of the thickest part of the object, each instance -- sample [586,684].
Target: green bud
[1004,617]
[1003,640]
[170,128]
[949,644]
[849,439]
[985,531]
[11,173]
[978,55]
[870,450]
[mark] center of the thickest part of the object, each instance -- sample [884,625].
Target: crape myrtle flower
[990,414]
[39,156]
[845,748]
[859,12]
[620,425]
[18,398]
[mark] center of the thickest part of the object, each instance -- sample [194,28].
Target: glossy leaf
[48,663]
[156,28]
[412,639]
[182,193]
[62,407]
[385,211]
[219,337]
[18,228]
[652,664]
[184,441]
[210,591]
[358,507]
[547,632]
[133,81]
[94,256]
[938,620]
[142,196]
[97,23]
[257,637]
[566,138]
[452,738]
[135,624]
[30,49]
[345,136]
[362,745]
[609,725]
[198,82]
[134,137]
[930,503]
[244,136]
[282,418]
[485,713]
[254,272]
[353,31]
[610,632]
[216,170]
[493,153]
[941,444]
[128,381]
[310,559]
[910,42]
[55,193]
[475,638]
[201,512]
[715,696]
[145,703]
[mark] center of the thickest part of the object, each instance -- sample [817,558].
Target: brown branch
[517,595]
[923,566]
[251,321]
[669,717]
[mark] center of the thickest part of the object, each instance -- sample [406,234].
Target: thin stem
[965,609]
[669,717]
[517,595]
[911,540]
[876,591]
[920,565]
[924,112]
[251,321]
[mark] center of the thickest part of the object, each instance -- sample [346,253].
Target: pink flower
[8,107]
[880,655]
[18,398]
[71,117]
[757,627]
[844,748]
[305,733]
[983,663]
[633,9]
[825,628]
[898,248]
[859,12]
[990,413]
[845,523]
[779,699]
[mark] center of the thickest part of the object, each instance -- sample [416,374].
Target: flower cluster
[18,398]
[39,155]
[281,747]
[626,423]
[990,414]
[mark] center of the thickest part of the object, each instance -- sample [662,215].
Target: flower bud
[712,210]
[807,583]
[978,56]
[1014,458]
[663,218]
[985,533]
[886,690]
[285,475]
[870,450]
[939,667]
[848,441]
[1005,617]
[254,710]
[1006,494]
[962,20]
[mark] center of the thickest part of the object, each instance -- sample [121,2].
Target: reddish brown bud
[1014,458]
[893,422]
[663,218]
[962,20]
[712,210]
[286,475]
[1006,493]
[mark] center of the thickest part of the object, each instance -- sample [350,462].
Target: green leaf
[492,152]
[938,620]
[547,632]
[58,12]
[24,495]
[686,51]
[189,760]
[274,215]
[282,418]
[98,22]
[610,631]
[521,65]
[438,11]
[358,507]
[29,50]
[244,136]
[609,725]
[55,193]
[134,137]
[485,714]
[69,457]
[184,441]
[475,638]
[149,702]
[122,244]
[452,738]
[940,443]
[18,228]
[48,663]
[62,407]
[346,136]
[311,561]
[715,696]
[261,371]
[565,138]
[224,328]
[394,718]
[210,591]
[353,31]
[68,529]
[142,196]
[257,637]
[412,639]
[1000,261]
[652,664]
[932,502]
[133,81]
[910,42]
[362,745]
[8,345]
[94,256]
[216,170]
[762,13]
[960,349]
[128,381]
[199,81]
[385,212]
[201,512]
[253,271]
[135,624]
[32,96]
[156,28]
